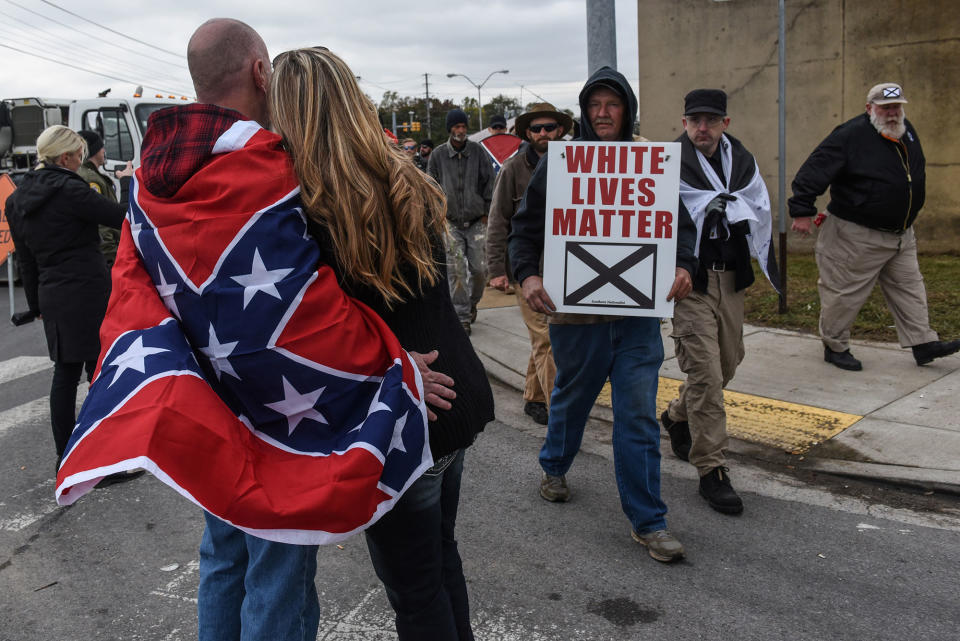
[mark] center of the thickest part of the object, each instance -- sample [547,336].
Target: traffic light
[416,126]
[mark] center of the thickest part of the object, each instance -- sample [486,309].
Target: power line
[89,35]
[76,15]
[145,72]
[97,73]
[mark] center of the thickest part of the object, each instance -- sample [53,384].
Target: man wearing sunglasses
[409,147]
[720,185]
[537,127]
[423,155]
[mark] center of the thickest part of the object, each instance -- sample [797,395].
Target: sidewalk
[893,421]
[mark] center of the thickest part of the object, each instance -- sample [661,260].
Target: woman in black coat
[53,218]
[379,222]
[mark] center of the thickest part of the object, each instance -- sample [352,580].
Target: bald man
[249,587]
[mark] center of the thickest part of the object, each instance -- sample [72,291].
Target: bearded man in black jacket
[720,185]
[875,168]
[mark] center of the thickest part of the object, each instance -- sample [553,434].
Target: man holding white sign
[617,248]
[720,185]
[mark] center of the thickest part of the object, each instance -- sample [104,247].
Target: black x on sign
[606,285]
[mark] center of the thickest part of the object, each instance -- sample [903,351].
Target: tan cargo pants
[540,368]
[708,336]
[851,259]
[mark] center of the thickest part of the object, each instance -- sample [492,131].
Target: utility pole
[601,35]
[426,82]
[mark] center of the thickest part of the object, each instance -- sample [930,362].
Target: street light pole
[479,87]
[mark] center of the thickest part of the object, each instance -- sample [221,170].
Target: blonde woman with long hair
[54,218]
[379,222]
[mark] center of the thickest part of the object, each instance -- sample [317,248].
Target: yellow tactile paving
[788,426]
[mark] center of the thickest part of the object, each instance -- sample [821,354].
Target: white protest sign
[610,241]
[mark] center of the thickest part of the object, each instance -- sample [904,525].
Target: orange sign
[6,240]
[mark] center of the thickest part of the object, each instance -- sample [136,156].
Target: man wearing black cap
[100,183]
[589,349]
[461,168]
[874,166]
[720,185]
[423,154]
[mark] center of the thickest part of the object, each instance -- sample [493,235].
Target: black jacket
[743,169]
[53,218]
[874,181]
[526,227]
[423,323]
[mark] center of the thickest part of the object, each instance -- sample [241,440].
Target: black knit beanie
[456,117]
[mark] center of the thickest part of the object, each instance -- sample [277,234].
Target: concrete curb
[855,461]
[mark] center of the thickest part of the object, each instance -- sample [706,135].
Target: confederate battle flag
[234,368]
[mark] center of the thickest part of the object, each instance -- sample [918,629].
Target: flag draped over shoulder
[235,369]
[752,202]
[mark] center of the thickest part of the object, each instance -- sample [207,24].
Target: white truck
[120,121]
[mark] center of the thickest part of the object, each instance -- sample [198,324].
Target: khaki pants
[540,368]
[708,335]
[851,259]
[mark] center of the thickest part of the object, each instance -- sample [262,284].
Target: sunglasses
[408,148]
[538,128]
[497,127]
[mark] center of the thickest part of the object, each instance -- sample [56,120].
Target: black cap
[94,141]
[498,120]
[456,117]
[705,101]
[426,142]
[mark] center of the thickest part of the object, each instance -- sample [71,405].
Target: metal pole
[394,123]
[601,34]
[10,281]
[782,117]
[479,109]
[426,81]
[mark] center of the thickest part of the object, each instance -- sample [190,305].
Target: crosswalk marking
[20,366]
[32,412]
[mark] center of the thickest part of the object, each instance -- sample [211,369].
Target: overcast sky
[389,44]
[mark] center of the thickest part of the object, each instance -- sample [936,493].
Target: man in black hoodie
[588,349]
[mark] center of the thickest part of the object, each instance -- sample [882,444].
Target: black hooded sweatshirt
[527,225]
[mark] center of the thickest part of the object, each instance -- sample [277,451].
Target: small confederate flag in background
[500,148]
[251,384]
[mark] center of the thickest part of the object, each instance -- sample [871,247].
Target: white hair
[56,141]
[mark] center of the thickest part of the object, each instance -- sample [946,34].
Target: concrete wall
[836,50]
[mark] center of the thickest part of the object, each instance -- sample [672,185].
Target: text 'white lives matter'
[610,240]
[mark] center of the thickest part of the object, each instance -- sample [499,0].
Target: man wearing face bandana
[875,168]
[720,185]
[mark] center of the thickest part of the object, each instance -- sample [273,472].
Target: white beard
[894,131]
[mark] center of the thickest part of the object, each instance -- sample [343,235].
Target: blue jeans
[252,589]
[414,553]
[629,351]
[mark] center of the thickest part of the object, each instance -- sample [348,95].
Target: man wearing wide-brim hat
[874,167]
[537,128]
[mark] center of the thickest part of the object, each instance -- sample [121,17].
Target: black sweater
[422,324]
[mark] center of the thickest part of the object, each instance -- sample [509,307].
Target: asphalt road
[805,561]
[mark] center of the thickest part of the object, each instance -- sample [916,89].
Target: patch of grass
[941,274]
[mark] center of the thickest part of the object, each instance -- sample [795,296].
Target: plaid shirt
[178,142]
